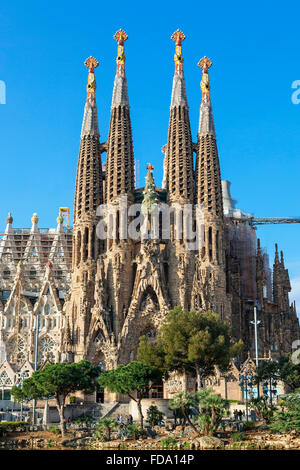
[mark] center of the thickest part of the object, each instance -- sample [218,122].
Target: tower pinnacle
[90,118]
[178,37]
[179,96]
[120,92]
[206,122]
[121,37]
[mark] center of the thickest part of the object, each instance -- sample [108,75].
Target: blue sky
[255,52]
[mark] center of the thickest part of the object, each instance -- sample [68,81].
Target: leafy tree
[150,354]
[154,416]
[263,408]
[134,431]
[58,381]
[184,402]
[212,408]
[105,428]
[191,342]
[135,376]
[288,418]
[289,372]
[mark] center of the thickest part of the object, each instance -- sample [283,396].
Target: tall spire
[206,121]
[120,160]
[179,96]
[179,151]
[88,190]
[90,118]
[120,91]
[208,186]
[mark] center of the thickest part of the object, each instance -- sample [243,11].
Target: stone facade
[119,288]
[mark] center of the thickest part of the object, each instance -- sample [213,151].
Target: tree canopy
[58,381]
[127,379]
[191,342]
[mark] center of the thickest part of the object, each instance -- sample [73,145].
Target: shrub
[11,426]
[72,399]
[238,436]
[84,420]
[248,425]
[55,430]
[168,442]
[154,416]
[288,419]
[134,431]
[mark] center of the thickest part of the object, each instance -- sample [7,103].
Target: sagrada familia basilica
[67,295]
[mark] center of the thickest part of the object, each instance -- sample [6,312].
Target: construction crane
[266,220]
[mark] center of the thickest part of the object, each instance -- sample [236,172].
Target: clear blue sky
[256,56]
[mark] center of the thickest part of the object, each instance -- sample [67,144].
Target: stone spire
[207,174]
[90,118]
[120,160]
[281,282]
[206,121]
[179,151]
[150,195]
[88,191]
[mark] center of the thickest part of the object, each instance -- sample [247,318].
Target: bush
[84,420]
[168,442]
[55,430]
[288,419]
[248,425]
[154,416]
[11,426]
[72,400]
[134,431]
[238,436]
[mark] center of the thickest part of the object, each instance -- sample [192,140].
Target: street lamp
[246,382]
[256,322]
[22,375]
[37,329]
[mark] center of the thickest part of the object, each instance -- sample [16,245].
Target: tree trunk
[198,375]
[61,412]
[139,407]
[188,419]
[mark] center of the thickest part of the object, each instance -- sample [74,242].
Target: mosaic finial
[121,37]
[178,37]
[91,63]
[205,63]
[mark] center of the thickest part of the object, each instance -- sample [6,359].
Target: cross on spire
[150,167]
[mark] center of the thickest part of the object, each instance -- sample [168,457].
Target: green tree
[263,408]
[154,416]
[183,403]
[288,418]
[135,376]
[105,428]
[191,342]
[212,408]
[58,381]
[289,372]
